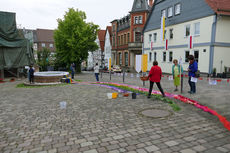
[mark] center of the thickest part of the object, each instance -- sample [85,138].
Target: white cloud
[33,14]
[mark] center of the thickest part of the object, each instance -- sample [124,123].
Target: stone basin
[49,76]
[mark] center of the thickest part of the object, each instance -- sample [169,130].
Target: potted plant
[214,72]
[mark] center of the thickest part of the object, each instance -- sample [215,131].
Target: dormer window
[138,4]
[170,12]
[177,8]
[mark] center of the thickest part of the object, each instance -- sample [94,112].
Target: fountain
[50,76]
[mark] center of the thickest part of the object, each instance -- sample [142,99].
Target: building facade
[127,34]
[198,27]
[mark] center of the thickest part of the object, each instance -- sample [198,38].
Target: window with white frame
[187,53]
[150,56]
[187,30]
[197,29]
[155,37]
[170,56]
[120,58]
[51,45]
[150,37]
[43,45]
[171,33]
[155,56]
[170,11]
[126,59]
[177,8]
[163,13]
[196,55]
[140,19]
[164,56]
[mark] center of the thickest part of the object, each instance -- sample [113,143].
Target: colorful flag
[190,43]
[163,28]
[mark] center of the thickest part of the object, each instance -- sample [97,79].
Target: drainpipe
[213,39]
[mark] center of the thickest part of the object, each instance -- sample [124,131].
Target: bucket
[109,95]
[134,95]
[114,95]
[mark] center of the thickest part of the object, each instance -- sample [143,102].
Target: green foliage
[74,38]
[22,85]
[44,59]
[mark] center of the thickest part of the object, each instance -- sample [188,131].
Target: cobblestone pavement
[31,121]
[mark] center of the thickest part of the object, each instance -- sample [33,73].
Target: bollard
[134,95]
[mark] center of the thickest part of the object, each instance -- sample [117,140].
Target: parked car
[116,69]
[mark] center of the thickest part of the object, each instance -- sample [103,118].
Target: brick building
[127,34]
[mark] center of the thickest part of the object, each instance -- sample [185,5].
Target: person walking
[176,71]
[72,70]
[192,69]
[155,77]
[96,71]
[31,74]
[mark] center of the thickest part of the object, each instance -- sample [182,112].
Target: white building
[207,22]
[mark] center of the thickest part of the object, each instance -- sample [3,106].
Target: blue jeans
[192,85]
[96,75]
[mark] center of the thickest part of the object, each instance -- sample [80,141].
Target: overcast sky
[43,14]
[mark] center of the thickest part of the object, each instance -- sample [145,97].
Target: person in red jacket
[155,76]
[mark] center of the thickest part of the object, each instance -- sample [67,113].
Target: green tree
[43,59]
[74,38]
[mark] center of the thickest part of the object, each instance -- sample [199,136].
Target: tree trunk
[78,67]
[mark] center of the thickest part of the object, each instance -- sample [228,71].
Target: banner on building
[190,43]
[144,62]
[166,44]
[163,28]
[151,45]
[138,63]
[109,63]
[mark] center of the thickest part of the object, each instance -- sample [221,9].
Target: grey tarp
[15,51]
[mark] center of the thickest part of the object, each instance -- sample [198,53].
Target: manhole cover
[155,113]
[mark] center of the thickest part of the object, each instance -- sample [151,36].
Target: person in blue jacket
[192,69]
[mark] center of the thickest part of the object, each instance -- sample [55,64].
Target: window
[170,56]
[51,45]
[164,56]
[125,39]
[196,55]
[120,58]
[165,34]
[119,40]
[170,12]
[171,33]
[128,38]
[163,13]
[150,37]
[43,45]
[150,56]
[186,56]
[113,41]
[126,59]
[122,40]
[155,37]
[197,29]
[187,30]
[177,9]
[140,19]
[155,56]
[137,36]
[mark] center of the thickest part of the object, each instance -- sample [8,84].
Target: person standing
[96,71]
[155,77]
[192,69]
[31,74]
[176,71]
[72,70]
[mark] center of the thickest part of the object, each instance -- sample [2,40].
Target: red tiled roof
[45,35]
[221,7]
[101,37]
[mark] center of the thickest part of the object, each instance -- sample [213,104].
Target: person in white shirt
[96,71]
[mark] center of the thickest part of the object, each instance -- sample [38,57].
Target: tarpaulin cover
[15,50]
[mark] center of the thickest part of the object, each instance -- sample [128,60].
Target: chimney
[151,3]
